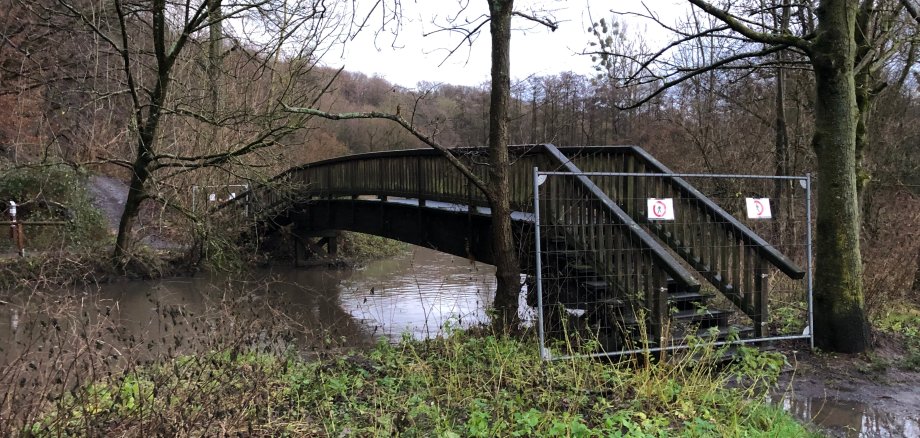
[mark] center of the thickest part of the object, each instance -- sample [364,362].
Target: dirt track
[109,196]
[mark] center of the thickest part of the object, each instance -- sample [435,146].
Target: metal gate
[636,262]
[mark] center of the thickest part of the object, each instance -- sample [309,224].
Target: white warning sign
[660,209]
[758,208]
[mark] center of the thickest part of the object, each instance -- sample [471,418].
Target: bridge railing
[422,174]
[718,246]
[620,253]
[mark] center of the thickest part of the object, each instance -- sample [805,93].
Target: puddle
[849,418]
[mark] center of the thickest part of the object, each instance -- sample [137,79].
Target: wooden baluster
[658,286]
[761,295]
[632,255]
[748,272]
[645,188]
[619,248]
[736,251]
[713,258]
[420,180]
[724,267]
[609,249]
[591,228]
[629,201]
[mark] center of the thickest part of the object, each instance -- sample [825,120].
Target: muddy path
[108,195]
[866,395]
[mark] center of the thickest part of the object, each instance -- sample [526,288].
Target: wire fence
[632,262]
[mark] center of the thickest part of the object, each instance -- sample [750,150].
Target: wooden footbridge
[601,260]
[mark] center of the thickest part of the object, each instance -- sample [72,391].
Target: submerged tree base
[461,385]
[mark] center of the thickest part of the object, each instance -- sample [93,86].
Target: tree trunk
[781,152]
[136,194]
[507,272]
[147,134]
[840,320]
[215,39]
[864,84]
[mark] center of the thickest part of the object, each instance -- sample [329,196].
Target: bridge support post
[310,253]
[300,253]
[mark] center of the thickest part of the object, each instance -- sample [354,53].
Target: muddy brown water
[420,294]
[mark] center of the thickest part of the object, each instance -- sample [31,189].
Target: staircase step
[711,334]
[555,242]
[562,253]
[595,286]
[688,300]
[672,285]
[583,271]
[704,317]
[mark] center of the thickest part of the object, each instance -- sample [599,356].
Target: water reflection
[418,293]
[432,291]
[847,418]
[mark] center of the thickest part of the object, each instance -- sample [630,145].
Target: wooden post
[332,245]
[300,252]
[21,240]
[16,233]
[762,292]
[420,175]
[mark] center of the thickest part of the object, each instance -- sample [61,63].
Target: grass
[360,247]
[51,193]
[905,322]
[459,385]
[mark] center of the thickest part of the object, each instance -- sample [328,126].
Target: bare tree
[252,54]
[843,42]
[496,188]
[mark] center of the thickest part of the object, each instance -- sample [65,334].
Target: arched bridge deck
[418,196]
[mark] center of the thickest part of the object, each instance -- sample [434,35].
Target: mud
[853,395]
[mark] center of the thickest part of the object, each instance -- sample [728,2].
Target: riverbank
[322,313]
[90,264]
[459,385]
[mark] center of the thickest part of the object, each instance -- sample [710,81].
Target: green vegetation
[52,193]
[462,385]
[904,322]
[360,247]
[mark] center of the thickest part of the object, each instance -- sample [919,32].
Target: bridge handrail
[659,254]
[451,185]
[724,219]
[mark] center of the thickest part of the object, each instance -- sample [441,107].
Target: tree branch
[696,72]
[738,26]
[552,25]
[911,9]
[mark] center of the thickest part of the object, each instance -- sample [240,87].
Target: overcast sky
[411,57]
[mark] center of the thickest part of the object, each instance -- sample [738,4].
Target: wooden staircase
[578,298]
[617,277]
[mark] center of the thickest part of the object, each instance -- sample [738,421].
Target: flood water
[419,294]
[847,418]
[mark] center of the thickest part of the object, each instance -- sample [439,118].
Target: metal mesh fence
[633,262]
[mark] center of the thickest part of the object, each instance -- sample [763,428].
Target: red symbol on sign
[758,207]
[659,209]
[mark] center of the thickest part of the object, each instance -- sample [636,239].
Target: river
[420,294]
